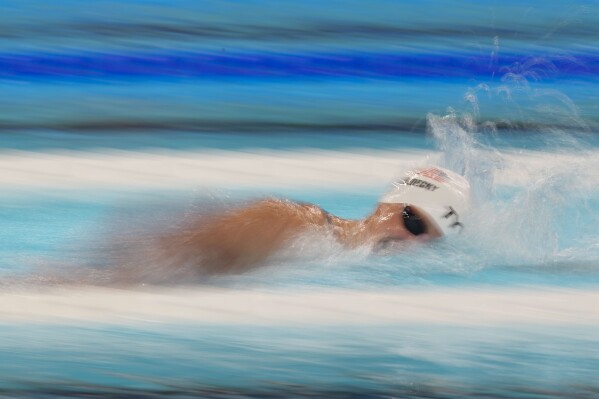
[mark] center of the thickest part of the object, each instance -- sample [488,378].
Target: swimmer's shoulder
[302,211]
[316,214]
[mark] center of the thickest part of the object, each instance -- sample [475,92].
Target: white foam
[215,306]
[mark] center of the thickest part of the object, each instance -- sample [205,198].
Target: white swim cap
[441,193]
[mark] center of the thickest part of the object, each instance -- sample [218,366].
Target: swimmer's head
[441,194]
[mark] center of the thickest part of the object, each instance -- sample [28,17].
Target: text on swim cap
[422,184]
[456,223]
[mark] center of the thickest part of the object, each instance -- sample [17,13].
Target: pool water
[119,120]
[532,237]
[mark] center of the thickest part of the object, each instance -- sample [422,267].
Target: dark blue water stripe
[215,65]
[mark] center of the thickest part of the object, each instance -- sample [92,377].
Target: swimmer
[424,204]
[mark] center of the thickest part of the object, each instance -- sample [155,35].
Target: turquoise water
[534,238]
[348,361]
[262,77]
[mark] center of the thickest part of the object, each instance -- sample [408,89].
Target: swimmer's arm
[245,238]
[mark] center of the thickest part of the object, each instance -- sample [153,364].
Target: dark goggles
[413,223]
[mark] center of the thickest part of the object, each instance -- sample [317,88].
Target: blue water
[262,75]
[51,230]
[268,64]
[225,361]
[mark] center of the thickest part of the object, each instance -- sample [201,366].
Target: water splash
[542,221]
[462,153]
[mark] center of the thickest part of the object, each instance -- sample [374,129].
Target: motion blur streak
[123,120]
[268,65]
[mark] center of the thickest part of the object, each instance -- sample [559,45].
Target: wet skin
[244,238]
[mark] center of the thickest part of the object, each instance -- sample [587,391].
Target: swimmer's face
[401,222]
